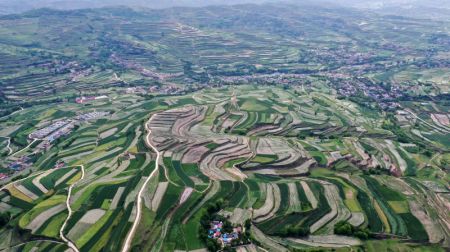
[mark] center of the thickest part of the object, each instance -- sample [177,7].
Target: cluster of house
[282,78]
[91,116]
[84,99]
[216,232]
[77,74]
[61,66]
[20,164]
[164,90]
[17,165]
[65,130]
[60,164]
[61,128]
[23,163]
[53,131]
[136,90]
[41,133]
[341,55]
[144,71]
[384,96]
[49,134]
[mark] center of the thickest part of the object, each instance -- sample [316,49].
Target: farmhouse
[41,133]
[91,116]
[216,232]
[20,164]
[65,130]
[83,99]
[3,176]
[59,164]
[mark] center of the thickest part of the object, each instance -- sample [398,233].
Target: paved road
[129,239]
[38,240]
[13,182]
[427,123]
[15,112]
[28,146]
[61,231]
[8,146]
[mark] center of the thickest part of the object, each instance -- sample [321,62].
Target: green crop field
[299,126]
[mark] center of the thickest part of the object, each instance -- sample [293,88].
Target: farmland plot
[279,160]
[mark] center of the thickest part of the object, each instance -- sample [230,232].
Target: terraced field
[286,169]
[298,127]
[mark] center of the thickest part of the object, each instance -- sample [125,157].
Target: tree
[428,153]
[4,219]
[212,245]
[362,235]
[227,227]
[295,231]
[345,228]
[248,224]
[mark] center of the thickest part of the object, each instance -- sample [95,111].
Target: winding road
[28,146]
[443,130]
[129,239]
[8,145]
[13,182]
[61,231]
[38,240]
[15,112]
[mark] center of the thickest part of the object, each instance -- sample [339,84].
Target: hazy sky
[14,6]
[170,3]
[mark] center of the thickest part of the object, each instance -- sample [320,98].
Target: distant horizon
[224,125]
[20,6]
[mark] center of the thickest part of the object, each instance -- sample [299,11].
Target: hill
[250,127]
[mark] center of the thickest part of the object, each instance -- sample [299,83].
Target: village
[44,138]
[386,97]
[225,238]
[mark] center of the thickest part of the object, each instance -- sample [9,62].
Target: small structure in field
[217,232]
[20,164]
[3,176]
[84,99]
[60,164]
